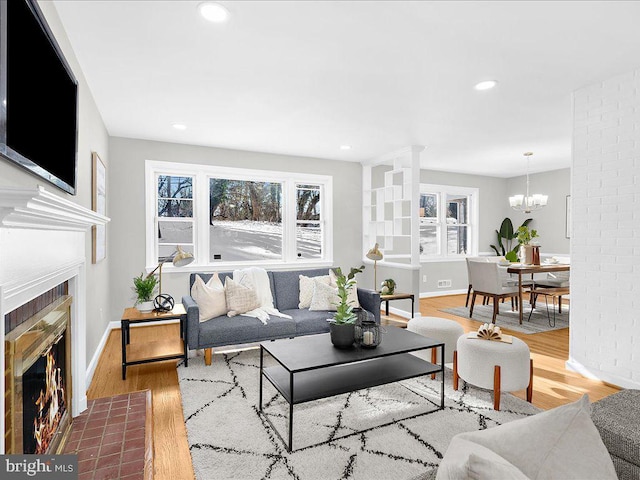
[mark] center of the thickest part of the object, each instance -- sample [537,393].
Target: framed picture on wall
[98,204]
[568,217]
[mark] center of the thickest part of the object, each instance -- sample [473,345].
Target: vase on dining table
[526,254]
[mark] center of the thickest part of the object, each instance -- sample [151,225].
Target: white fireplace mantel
[42,244]
[40,209]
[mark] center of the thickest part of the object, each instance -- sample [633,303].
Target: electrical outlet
[444,283]
[424,278]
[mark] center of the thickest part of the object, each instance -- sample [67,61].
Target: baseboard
[91,368]
[595,374]
[443,293]
[400,313]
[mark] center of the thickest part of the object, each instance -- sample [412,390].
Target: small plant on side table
[144,288]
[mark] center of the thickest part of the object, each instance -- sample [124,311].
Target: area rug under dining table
[508,318]
[230,439]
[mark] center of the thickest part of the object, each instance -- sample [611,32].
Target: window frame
[441,192]
[201,175]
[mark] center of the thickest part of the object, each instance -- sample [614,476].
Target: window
[232,216]
[174,221]
[448,221]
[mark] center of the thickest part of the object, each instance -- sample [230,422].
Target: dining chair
[490,281]
[489,259]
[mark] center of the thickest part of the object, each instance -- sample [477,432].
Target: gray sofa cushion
[286,286]
[310,322]
[617,418]
[223,330]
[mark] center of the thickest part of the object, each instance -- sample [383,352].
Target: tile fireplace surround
[42,244]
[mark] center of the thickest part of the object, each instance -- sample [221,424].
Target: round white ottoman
[447,331]
[494,365]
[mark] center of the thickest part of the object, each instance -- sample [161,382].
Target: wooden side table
[155,351]
[397,296]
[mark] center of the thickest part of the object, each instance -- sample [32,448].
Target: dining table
[523,269]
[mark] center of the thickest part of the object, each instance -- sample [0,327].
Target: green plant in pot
[508,234]
[145,288]
[342,326]
[525,236]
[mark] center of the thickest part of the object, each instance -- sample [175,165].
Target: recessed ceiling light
[345,147]
[213,12]
[179,126]
[486,85]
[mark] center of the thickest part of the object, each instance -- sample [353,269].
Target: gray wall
[550,221]
[494,207]
[491,212]
[127,201]
[92,136]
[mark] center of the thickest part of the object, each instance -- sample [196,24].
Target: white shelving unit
[390,210]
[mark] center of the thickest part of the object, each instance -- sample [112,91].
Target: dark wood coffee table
[310,368]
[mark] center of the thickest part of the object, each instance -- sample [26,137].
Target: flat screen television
[38,119]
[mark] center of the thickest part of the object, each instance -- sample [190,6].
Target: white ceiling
[303,78]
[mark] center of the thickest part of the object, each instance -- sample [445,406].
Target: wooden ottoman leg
[207,356]
[530,387]
[455,370]
[434,360]
[496,387]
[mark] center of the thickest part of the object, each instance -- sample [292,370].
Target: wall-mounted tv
[38,114]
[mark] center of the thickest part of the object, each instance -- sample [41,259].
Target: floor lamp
[375,255]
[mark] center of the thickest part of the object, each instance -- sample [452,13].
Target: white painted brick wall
[605,244]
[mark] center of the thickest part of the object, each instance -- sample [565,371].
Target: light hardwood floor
[553,385]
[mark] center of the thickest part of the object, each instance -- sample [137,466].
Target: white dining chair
[491,281]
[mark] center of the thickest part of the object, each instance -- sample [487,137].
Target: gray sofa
[222,331]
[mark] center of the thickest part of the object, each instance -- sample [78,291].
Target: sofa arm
[370,301]
[193,321]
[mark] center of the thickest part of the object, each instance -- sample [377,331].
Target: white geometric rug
[230,439]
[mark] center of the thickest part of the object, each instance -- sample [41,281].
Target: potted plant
[507,233]
[342,326]
[144,288]
[524,236]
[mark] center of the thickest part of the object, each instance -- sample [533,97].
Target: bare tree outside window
[174,215]
[308,222]
[245,219]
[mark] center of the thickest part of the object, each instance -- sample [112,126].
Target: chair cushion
[224,330]
[309,322]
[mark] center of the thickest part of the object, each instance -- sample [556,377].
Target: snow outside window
[245,220]
[174,219]
[448,221]
[231,217]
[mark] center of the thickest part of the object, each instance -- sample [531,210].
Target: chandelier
[527,203]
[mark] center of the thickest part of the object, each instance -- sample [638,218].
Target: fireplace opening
[38,381]
[44,398]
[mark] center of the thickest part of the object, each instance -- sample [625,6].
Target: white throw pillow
[306,288]
[352,296]
[559,443]
[325,297]
[241,297]
[482,468]
[210,297]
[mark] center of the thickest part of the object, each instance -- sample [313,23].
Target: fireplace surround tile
[112,438]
